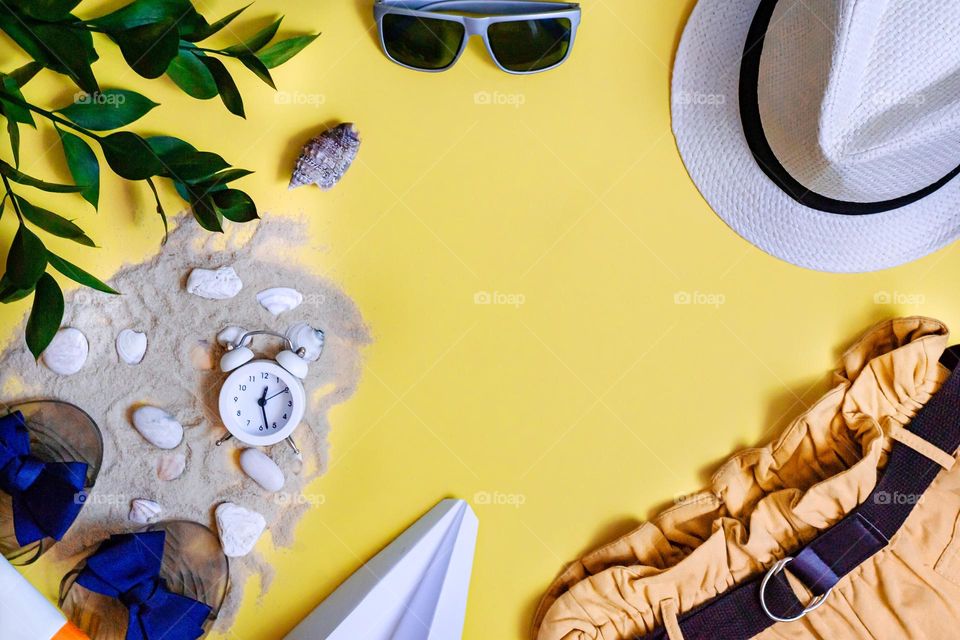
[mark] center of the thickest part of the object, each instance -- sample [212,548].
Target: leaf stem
[219,52]
[10,194]
[49,115]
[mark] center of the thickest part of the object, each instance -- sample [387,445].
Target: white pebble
[220,284]
[131,346]
[171,466]
[158,427]
[144,511]
[262,469]
[239,529]
[279,299]
[67,352]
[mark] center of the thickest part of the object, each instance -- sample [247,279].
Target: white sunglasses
[522,37]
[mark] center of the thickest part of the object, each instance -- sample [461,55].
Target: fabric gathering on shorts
[767,502]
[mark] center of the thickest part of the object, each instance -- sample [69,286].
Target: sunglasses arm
[490,7]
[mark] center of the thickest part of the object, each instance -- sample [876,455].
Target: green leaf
[25,74]
[77,274]
[46,9]
[258,41]
[106,110]
[223,178]
[13,130]
[192,76]
[53,223]
[58,47]
[182,162]
[9,292]
[130,156]
[27,259]
[13,101]
[45,316]
[22,178]
[254,63]
[149,49]
[195,32]
[225,85]
[284,50]
[206,214]
[144,12]
[83,165]
[235,205]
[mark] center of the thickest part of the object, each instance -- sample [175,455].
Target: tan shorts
[768,502]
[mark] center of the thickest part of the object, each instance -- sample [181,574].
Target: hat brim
[709,135]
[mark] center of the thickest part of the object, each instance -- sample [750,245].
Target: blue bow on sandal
[50,454]
[168,581]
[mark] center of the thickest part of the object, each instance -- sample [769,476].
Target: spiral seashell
[327,157]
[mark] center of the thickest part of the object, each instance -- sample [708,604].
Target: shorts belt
[749,608]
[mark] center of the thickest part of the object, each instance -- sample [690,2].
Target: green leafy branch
[155,37]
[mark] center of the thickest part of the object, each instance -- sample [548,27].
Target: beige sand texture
[180,374]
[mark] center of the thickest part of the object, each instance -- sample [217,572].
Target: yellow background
[583,409]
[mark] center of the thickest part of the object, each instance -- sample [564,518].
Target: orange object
[70,632]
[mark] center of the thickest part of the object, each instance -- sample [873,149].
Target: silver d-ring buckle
[774,570]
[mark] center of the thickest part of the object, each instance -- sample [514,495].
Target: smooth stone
[171,466]
[219,284]
[262,469]
[67,352]
[158,427]
[239,529]
[131,346]
[279,299]
[144,511]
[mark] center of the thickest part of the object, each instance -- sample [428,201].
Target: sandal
[167,581]
[50,455]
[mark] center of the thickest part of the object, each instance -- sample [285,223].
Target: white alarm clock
[262,401]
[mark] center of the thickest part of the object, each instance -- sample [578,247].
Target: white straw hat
[825,132]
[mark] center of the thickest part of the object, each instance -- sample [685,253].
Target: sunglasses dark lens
[530,45]
[422,43]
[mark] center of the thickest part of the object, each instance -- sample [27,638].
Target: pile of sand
[180,374]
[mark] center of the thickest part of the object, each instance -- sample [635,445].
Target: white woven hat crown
[860,99]
[826,132]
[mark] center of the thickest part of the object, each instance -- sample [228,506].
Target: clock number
[289,403]
[274,425]
[248,423]
[265,376]
[235,398]
[238,413]
[252,378]
[243,387]
[284,416]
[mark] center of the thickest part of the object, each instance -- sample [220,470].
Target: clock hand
[275,395]
[263,404]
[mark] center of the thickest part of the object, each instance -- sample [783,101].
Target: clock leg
[293,445]
[224,439]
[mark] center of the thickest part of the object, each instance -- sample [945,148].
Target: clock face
[261,403]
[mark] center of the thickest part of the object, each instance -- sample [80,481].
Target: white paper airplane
[415,589]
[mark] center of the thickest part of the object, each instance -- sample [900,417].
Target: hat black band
[763,153]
